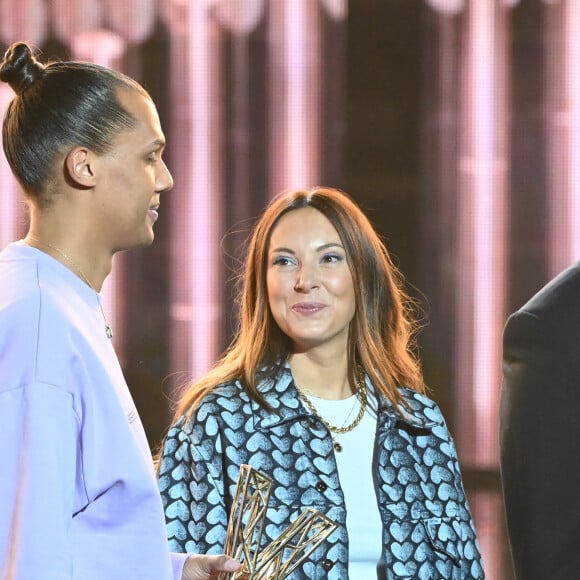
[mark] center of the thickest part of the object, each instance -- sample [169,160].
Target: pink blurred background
[454,123]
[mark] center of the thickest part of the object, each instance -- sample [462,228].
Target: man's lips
[154,212]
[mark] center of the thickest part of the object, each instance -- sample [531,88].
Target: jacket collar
[282,396]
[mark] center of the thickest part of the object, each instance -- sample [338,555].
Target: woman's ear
[79,167]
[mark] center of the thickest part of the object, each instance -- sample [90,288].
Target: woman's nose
[306,279]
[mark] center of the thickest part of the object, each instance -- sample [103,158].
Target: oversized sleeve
[39,433]
[540,447]
[191,481]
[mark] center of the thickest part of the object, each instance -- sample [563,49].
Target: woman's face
[309,284]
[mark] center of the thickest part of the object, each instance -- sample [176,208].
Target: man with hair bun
[78,492]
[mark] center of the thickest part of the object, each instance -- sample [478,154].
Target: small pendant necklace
[79,272]
[360,393]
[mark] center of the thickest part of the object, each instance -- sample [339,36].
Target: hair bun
[20,69]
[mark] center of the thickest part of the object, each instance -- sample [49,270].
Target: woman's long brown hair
[382,332]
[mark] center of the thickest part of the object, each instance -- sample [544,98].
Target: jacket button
[327,564]
[321,486]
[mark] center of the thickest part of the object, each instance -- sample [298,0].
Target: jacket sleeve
[470,561]
[472,564]
[539,442]
[37,482]
[192,485]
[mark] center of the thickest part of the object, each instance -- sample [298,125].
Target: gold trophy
[283,555]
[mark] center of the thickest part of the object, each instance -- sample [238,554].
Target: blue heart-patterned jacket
[428,531]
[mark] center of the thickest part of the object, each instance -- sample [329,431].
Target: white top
[354,463]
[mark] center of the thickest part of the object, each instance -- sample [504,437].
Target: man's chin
[148,239]
[143,243]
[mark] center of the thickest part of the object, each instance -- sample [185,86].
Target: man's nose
[164,179]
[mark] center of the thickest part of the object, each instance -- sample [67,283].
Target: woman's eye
[281,261]
[330,258]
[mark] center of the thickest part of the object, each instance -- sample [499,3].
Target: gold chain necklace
[361,390]
[108,329]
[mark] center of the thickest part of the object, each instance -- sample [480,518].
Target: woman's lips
[307,308]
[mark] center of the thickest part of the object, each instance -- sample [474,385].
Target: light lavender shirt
[78,493]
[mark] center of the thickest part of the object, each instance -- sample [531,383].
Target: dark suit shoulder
[561,294]
[550,317]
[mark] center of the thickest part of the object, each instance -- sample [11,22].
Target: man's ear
[79,167]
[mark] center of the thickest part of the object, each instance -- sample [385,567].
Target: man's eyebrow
[157,144]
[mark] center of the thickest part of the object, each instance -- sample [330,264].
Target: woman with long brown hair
[321,391]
